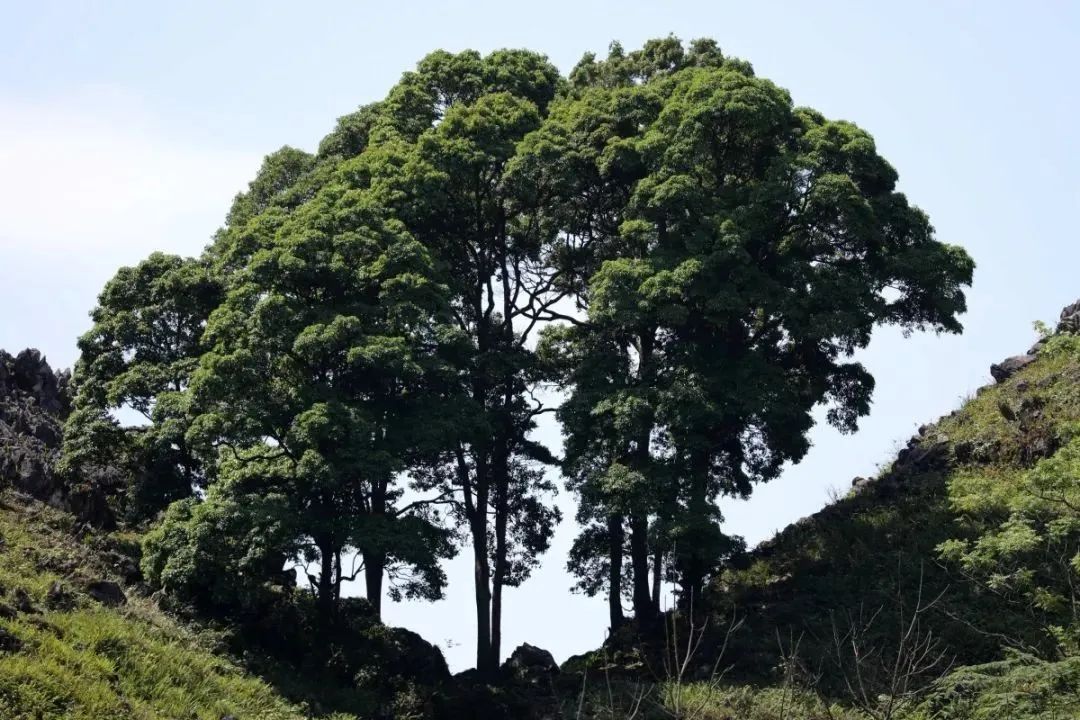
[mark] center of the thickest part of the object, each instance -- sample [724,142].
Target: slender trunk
[481,579]
[325,600]
[476,492]
[616,536]
[644,610]
[375,557]
[496,621]
[639,558]
[698,506]
[657,574]
[502,450]
[374,564]
[502,491]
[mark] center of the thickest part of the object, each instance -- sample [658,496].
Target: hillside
[908,565]
[75,644]
[878,547]
[945,581]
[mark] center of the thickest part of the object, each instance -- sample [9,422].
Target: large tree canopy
[138,358]
[360,354]
[327,358]
[742,250]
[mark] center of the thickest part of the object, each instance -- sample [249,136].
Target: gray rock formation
[1008,367]
[34,402]
[531,663]
[1069,321]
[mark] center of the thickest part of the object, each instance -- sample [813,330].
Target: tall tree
[748,249]
[324,363]
[454,125]
[138,357]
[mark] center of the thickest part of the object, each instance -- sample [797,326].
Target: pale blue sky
[127,127]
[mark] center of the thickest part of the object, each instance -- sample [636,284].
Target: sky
[128,127]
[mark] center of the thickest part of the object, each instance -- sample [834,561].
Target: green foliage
[739,251]
[223,553]
[1022,526]
[1018,687]
[138,357]
[86,662]
[323,362]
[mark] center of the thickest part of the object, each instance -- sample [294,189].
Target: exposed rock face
[33,405]
[34,402]
[107,593]
[531,663]
[8,642]
[1008,367]
[1069,320]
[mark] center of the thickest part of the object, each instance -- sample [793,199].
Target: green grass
[95,663]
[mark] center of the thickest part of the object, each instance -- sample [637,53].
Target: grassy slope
[875,546]
[88,661]
[869,553]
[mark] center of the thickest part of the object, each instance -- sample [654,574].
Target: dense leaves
[741,249]
[350,377]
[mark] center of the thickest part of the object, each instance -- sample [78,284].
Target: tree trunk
[502,491]
[644,610]
[693,579]
[325,604]
[481,579]
[658,574]
[374,564]
[375,557]
[616,535]
[639,558]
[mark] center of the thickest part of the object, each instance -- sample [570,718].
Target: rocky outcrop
[35,401]
[107,593]
[33,405]
[1008,367]
[531,664]
[1069,320]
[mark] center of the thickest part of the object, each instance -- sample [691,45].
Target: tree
[440,157]
[138,357]
[321,385]
[742,250]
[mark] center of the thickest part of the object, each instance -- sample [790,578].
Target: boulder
[22,601]
[107,593]
[1069,320]
[59,597]
[9,642]
[529,662]
[1008,367]
[860,484]
[124,566]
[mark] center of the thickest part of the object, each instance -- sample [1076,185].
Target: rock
[861,484]
[529,662]
[1069,320]
[107,593]
[9,642]
[1006,411]
[923,458]
[1008,367]
[59,597]
[124,566]
[22,601]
